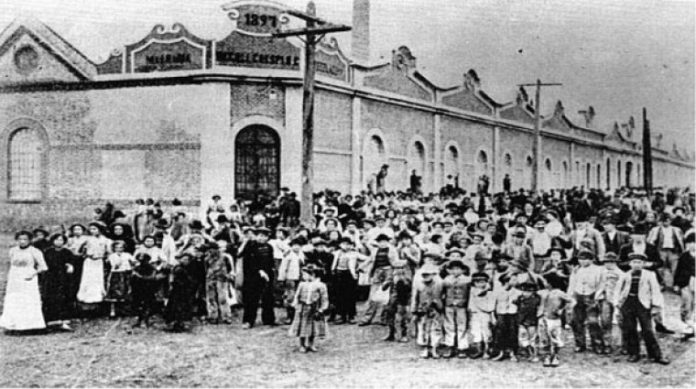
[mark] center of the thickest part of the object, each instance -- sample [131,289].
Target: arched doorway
[374,156]
[588,178]
[452,165]
[257,162]
[629,171]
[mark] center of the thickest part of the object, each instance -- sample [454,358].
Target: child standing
[506,327]
[310,302]
[610,276]
[289,275]
[553,304]
[481,307]
[528,311]
[118,282]
[179,309]
[144,285]
[456,291]
[218,274]
[426,304]
[344,269]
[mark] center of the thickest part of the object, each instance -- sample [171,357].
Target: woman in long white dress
[96,248]
[22,307]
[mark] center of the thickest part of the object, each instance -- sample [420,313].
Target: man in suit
[257,286]
[639,245]
[638,296]
[585,232]
[670,243]
[613,238]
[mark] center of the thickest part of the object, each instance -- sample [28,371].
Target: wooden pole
[537,137]
[307,201]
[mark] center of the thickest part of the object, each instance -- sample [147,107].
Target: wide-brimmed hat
[100,225]
[196,225]
[40,230]
[519,233]
[456,263]
[163,224]
[610,257]
[559,250]
[638,256]
[586,254]
[455,250]
[263,231]
[480,277]
[70,229]
[429,269]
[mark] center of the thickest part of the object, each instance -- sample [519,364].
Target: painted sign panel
[241,50]
[167,50]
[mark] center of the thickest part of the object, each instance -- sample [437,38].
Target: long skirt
[22,307]
[306,324]
[92,284]
[55,295]
[119,286]
[345,294]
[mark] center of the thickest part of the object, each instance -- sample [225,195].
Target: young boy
[553,304]
[179,309]
[456,291]
[426,304]
[583,286]
[481,306]
[144,284]
[609,279]
[218,274]
[506,327]
[528,310]
[289,275]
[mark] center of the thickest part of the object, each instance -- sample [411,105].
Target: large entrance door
[257,162]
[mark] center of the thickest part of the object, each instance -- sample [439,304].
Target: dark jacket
[614,245]
[685,270]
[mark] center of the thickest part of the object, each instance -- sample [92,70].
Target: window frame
[5,144]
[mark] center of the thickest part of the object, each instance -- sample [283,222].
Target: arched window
[25,164]
[548,174]
[608,173]
[588,174]
[599,176]
[618,173]
[565,175]
[507,160]
[257,162]
[452,164]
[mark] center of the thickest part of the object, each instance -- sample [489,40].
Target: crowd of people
[499,276]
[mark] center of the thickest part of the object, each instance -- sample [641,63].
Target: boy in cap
[426,304]
[528,310]
[584,286]
[289,274]
[554,302]
[258,269]
[610,276]
[638,295]
[481,307]
[505,335]
[456,291]
[383,259]
[218,274]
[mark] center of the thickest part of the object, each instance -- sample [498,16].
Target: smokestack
[360,34]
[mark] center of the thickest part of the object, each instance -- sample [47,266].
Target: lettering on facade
[255,58]
[167,56]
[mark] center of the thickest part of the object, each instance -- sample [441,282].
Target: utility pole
[537,131]
[313,33]
[647,154]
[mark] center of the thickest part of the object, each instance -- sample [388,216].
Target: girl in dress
[121,263]
[22,306]
[56,283]
[310,302]
[96,249]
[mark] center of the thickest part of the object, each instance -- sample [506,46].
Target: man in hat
[258,269]
[290,210]
[609,280]
[380,267]
[637,295]
[684,281]
[518,248]
[541,244]
[613,238]
[679,220]
[669,242]
[456,291]
[585,231]
[583,286]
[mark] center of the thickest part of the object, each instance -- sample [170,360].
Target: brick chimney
[360,34]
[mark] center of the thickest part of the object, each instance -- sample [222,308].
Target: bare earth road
[107,353]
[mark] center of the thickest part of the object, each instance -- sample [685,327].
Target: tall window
[25,160]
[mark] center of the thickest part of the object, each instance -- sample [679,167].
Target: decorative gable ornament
[403,60]
[471,80]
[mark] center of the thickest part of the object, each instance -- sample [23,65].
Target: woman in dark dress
[55,283]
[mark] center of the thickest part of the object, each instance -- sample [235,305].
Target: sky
[616,55]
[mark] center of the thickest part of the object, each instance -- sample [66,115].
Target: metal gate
[257,162]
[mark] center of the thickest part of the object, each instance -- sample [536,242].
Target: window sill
[15,201]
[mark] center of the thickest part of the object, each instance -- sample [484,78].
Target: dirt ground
[107,353]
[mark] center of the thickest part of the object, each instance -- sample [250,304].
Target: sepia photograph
[347,193]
